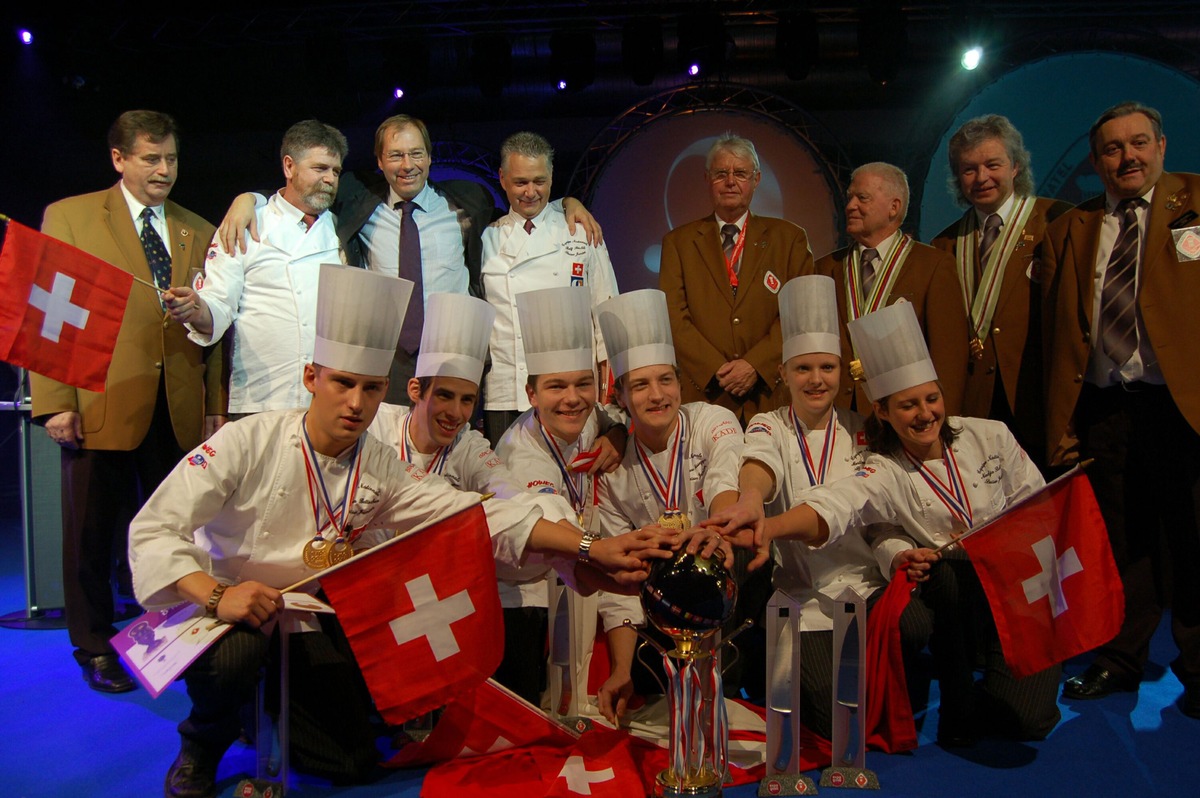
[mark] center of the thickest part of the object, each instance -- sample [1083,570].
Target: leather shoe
[1097,682]
[106,674]
[193,774]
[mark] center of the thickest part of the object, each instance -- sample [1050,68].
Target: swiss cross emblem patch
[771,282]
[576,269]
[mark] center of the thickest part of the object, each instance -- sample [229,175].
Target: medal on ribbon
[669,488]
[320,552]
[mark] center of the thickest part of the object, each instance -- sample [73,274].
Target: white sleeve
[615,608]
[602,282]
[725,442]
[857,501]
[224,278]
[764,444]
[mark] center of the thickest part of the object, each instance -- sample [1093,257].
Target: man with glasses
[721,274]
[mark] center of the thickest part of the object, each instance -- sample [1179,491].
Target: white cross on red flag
[422,614]
[1048,572]
[60,308]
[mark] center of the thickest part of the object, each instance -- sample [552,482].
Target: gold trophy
[689,598]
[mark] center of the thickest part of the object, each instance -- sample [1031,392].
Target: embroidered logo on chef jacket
[991,470]
[576,274]
[208,450]
[758,426]
[573,248]
[198,460]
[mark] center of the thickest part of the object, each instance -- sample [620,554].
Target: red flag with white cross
[422,614]
[1048,572]
[60,308]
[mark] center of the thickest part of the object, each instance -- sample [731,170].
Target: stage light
[25,36]
[573,59]
[971,58]
[642,49]
[398,93]
[703,43]
[491,63]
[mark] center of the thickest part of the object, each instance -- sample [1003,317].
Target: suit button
[158,365]
[991,369]
[166,322]
[737,321]
[1078,378]
[995,331]
[736,356]
[1087,337]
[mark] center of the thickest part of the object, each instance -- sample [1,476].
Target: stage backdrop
[1053,102]
[655,181]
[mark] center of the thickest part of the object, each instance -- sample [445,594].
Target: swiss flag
[60,308]
[484,720]
[422,614]
[602,763]
[1049,575]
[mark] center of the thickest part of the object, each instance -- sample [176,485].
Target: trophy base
[698,785]
[852,778]
[786,784]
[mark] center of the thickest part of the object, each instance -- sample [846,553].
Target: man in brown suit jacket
[900,268]
[721,275]
[990,175]
[118,445]
[1121,354]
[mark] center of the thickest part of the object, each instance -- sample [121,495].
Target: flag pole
[1080,466]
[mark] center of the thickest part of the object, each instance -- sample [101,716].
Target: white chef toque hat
[454,340]
[808,317]
[636,330]
[359,316]
[556,329]
[891,346]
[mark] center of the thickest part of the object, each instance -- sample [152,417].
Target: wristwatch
[585,546]
[210,609]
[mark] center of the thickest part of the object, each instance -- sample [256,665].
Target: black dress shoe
[106,674]
[1097,682]
[1189,703]
[193,774]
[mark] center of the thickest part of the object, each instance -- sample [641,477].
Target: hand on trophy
[741,523]
[626,558]
[705,542]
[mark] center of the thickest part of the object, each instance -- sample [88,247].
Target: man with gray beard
[268,294]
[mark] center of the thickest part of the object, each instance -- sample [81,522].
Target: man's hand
[605,458]
[737,377]
[251,603]
[706,543]
[239,217]
[577,214]
[916,561]
[740,522]
[212,423]
[613,696]
[187,307]
[626,557]
[66,429]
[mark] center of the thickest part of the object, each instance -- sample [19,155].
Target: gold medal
[339,552]
[856,371]
[674,519]
[977,349]
[316,553]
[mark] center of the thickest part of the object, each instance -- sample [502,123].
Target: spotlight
[573,59]
[883,39]
[25,36]
[491,63]
[703,43]
[398,93]
[642,49]
[797,44]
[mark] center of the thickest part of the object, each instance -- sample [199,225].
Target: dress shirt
[269,296]
[160,217]
[1143,365]
[443,268]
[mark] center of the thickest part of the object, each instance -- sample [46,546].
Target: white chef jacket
[524,449]
[515,262]
[269,296]
[996,474]
[472,465]
[237,507]
[814,576]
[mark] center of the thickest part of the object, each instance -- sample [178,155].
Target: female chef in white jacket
[933,478]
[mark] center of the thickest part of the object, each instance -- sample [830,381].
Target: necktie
[410,269]
[1118,312]
[729,235]
[157,256]
[867,264]
[991,231]
[529,226]
[309,220]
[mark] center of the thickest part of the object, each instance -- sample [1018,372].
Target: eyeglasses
[721,175]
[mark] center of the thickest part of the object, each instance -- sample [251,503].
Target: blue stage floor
[66,740]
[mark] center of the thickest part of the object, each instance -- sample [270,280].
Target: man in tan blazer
[1122,280]
[721,275]
[896,268]
[990,175]
[118,445]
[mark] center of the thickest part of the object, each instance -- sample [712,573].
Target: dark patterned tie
[729,234]
[410,269]
[157,256]
[867,264]
[529,226]
[1118,297]
[991,232]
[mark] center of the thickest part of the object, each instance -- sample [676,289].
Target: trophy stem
[699,732]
